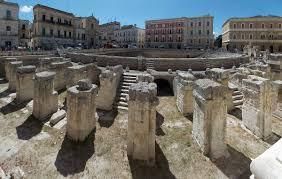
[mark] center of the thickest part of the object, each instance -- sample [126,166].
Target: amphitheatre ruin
[141,113]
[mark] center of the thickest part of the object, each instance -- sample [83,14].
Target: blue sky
[137,11]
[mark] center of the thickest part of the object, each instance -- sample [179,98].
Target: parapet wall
[160,64]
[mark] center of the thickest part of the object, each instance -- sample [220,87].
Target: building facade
[184,32]
[106,33]
[24,33]
[262,31]
[130,36]
[52,28]
[9,28]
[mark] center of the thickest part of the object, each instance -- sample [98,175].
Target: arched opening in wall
[271,49]
[163,87]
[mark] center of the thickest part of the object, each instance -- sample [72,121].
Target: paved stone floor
[44,152]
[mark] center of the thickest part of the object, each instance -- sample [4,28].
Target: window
[92,26]
[251,26]
[34,17]
[69,34]
[234,26]
[43,17]
[271,26]
[43,32]
[208,23]
[262,36]
[251,36]
[8,14]
[65,34]
[208,41]
[242,36]
[52,19]
[234,36]
[8,28]
[179,39]
[242,26]
[191,24]
[59,33]
[23,35]
[208,32]
[191,32]
[262,26]
[51,32]
[280,26]
[83,36]
[23,27]
[200,32]
[199,41]
[200,24]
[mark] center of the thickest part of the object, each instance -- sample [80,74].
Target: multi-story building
[130,36]
[86,31]
[184,32]
[24,33]
[9,16]
[106,33]
[262,31]
[52,28]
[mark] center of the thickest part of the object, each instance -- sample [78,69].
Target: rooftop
[253,17]
[9,3]
[52,9]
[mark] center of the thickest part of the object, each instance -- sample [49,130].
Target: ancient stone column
[44,63]
[25,84]
[12,70]
[278,107]
[142,121]
[209,118]
[6,66]
[45,99]
[81,109]
[74,74]
[257,108]
[93,72]
[60,68]
[184,93]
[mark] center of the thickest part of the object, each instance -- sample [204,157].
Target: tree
[218,41]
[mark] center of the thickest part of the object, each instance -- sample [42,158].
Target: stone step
[124,90]
[126,84]
[235,93]
[123,99]
[237,97]
[129,74]
[125,87]
[238,102]
[129,77]
[124,104]
[123,95]
[239,106]
[129,81]
[122,108]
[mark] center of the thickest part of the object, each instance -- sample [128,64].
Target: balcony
[54,22]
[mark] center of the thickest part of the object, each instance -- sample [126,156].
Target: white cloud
[26,9]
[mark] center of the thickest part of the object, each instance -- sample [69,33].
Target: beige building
[106,33]
[52,28]
[9,16]
[262,31]
[184,32]
[86,31]
[130,36]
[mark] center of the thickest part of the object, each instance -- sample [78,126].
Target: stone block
[12,70]
[209,117]
[25,83]
[45,99]
[259,95]
[81,105]
[56,117]
[60,68]
[142,102]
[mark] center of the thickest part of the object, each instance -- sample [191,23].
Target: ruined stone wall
[60,68]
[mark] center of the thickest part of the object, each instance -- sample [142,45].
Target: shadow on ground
[237,112]
[273,138]
[5,93]
[159,122]
[72,156]
[160,171]
[106,118]
[236,165]
[13,107]
[30,128]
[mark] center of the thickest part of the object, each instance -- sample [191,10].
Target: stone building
[86,31]
[24,33]
[262,31]
[9,16]
[130,36]
[106,33]
[184,32]
[52,27]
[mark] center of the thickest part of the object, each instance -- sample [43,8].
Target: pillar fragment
[81,109]
[12,70]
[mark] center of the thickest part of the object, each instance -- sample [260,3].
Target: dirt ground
[44,152]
